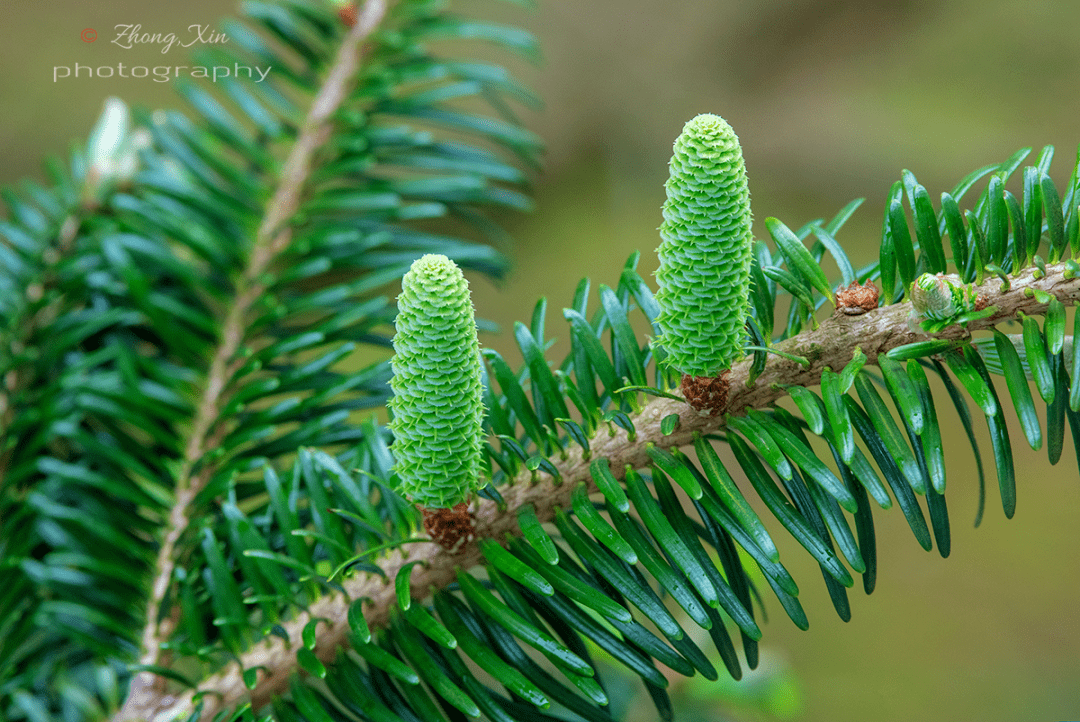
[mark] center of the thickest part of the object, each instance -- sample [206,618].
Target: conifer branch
[206,433]
[831,344]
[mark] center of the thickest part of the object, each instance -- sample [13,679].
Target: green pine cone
[438,399]
[705,253]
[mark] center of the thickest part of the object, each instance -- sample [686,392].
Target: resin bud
[437,406]
[705,251]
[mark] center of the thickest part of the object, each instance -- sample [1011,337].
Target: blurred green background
[831,100]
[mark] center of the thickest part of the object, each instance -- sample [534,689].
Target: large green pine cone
[438,403]
[705,253]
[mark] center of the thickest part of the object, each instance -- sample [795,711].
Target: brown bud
[708,394]
[452,529]
[347,14]
[857,299]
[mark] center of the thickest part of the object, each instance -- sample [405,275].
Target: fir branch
[831,344]
[272,239]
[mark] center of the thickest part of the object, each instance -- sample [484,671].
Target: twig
[831,344]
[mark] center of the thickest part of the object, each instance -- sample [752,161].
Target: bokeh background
[831,100]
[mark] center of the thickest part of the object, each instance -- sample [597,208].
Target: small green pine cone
[438,398]
[705,253]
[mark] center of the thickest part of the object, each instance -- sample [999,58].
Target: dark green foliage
[114,300]
[116,297]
